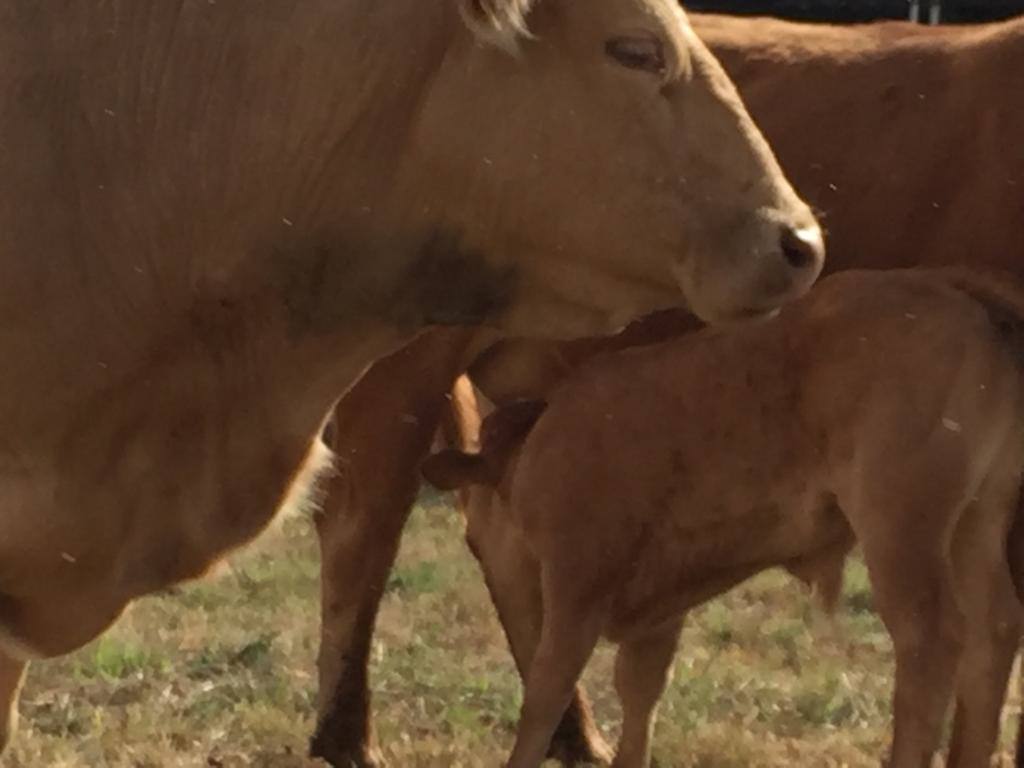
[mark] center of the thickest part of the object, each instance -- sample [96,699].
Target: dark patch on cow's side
[449,284]
[329,282]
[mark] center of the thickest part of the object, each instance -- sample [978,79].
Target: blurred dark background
[950,11]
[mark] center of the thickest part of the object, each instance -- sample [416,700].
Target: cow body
[889,406]
[215,216]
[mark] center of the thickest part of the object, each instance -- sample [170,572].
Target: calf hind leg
[993,621]
[914,597]
[357,552]
[926,663]
[981,691]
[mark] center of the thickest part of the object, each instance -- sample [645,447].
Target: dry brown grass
[222,673]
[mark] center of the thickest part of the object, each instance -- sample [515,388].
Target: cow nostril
[801,248]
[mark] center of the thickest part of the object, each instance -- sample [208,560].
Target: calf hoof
[340,754]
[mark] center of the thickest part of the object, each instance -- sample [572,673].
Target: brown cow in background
[907,139]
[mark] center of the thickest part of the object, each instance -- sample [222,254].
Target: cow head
[599,155]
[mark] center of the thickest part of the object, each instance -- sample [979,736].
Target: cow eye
[644,53]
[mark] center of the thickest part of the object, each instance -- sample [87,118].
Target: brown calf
[886,406]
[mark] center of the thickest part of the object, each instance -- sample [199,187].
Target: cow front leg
[357,553]
[381,431]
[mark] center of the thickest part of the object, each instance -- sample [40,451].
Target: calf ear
[451,469]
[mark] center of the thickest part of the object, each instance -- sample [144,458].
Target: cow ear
[498,22]
[450,470]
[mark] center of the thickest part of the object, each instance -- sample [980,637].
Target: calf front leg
[357,553]
[570,632]
[926,662]
[381,431]
[915,600]
[983,676]
[512,576]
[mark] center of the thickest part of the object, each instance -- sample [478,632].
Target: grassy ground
[221,674]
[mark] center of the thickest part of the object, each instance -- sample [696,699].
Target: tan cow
[906,138]
[214,216]
[886,404]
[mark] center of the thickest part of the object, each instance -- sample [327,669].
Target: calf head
[501,435]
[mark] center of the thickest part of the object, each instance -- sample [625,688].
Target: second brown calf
[886,406]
